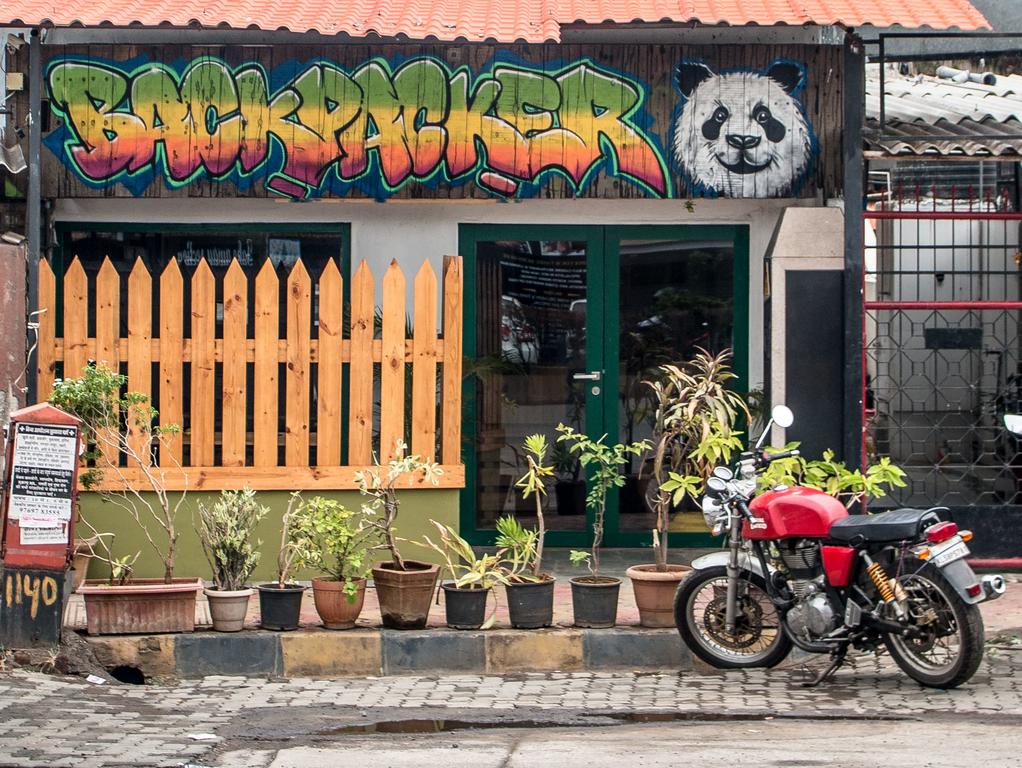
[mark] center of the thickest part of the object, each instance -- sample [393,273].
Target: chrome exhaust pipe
[993,586]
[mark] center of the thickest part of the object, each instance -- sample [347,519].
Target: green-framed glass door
[562,324]
[533,308]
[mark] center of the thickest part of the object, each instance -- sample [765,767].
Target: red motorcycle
[799,570]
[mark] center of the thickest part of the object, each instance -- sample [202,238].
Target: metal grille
[943,351]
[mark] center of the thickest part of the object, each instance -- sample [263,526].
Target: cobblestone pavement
[53,722]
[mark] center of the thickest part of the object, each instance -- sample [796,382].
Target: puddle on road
[590,720]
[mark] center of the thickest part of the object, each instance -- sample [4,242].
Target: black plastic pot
[466,608]
[595,602]
[279,608]
[530,605]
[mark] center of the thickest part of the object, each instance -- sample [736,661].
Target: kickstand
[837,659]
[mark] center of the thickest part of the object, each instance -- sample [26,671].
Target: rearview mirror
[782,416]
[1013,422]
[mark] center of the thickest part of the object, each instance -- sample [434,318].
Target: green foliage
[461,562]
[694,430]
[519,545]
[833,477]
[225,530]
[579,557]
[606,462]
[380,485]
[330,538]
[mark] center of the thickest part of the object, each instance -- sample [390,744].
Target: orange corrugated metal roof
[477,20]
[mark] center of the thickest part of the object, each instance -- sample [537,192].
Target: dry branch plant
[96,398]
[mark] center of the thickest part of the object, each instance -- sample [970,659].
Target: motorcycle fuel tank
[793,513]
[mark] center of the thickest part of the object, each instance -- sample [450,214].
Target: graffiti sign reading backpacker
[42,474]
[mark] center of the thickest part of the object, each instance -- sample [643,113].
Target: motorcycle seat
[896,525]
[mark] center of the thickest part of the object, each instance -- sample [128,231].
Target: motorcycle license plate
[956,551]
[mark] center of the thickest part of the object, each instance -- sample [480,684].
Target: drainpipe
[854,382]
[33,205]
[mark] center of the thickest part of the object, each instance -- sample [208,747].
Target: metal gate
[942,345]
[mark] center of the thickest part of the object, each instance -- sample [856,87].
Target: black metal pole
[34,212]
[854,108]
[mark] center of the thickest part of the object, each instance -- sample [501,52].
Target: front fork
[735,545]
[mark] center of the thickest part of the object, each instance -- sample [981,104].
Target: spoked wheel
[756,640]
[945,645]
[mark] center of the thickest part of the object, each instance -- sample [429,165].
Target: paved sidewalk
[55,722]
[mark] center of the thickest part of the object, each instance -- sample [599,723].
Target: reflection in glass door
[673,295]
[531,371]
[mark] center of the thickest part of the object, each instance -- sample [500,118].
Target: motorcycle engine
[813,614]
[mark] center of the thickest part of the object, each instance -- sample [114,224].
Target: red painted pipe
[964,305]
[909,215]
[996,563]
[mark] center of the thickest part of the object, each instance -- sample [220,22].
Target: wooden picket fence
[375,404]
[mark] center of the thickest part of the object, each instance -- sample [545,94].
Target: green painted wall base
[417,508]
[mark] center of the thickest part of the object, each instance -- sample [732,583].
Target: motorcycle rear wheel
[758,639]
[949,648]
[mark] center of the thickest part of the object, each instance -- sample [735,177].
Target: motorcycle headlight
[711,510]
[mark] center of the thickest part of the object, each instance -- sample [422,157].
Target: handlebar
[764,459]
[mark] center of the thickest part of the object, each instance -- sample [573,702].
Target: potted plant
[122,604]
[404,587]
[330,538]
[225,529]
[280,601]
[694,430]
[473,578]
[530,592]
[594,597]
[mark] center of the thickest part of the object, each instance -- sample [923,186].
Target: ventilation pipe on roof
[965,76]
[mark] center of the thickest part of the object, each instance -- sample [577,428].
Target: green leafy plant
[380,485]
[694,430]
[606,462]
[519,545]
[332,539]
[468,570]
[533,483]
[850,486]
[225,530]
[116,425]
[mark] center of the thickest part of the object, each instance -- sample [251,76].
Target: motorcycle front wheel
[757,639]
[946,644]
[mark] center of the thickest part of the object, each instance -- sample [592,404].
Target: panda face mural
[743,133]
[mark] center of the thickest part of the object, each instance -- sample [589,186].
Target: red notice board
[40,488]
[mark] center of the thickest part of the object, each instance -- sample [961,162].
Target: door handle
[591,376]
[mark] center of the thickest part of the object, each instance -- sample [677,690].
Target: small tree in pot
[330,538]
[280,601]
[694,430]
[473,578]
[116,425]
[404,587]
[530,592]
[594,597]
[225,530]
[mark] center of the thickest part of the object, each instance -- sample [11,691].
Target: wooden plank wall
[265,435]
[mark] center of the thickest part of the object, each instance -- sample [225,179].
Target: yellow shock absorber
[883,584]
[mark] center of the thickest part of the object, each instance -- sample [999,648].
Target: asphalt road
[801,743]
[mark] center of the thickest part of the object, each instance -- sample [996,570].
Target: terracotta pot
[654,592]
[332,602]
[143,607]
[228,608]
[405,596]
